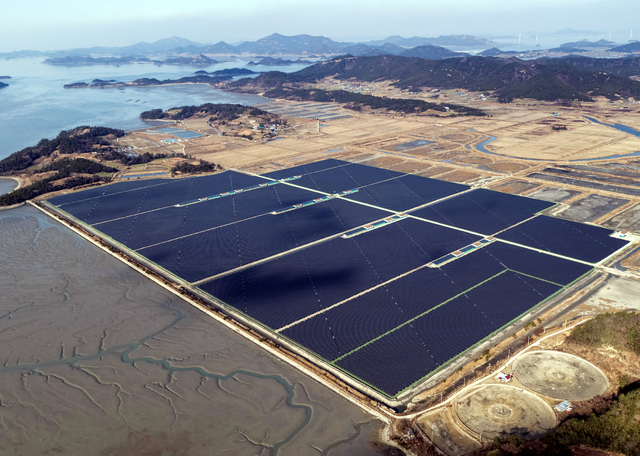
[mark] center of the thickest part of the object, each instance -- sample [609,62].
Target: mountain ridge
[578,78]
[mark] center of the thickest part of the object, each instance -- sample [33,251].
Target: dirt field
[496,410]
[560,375]
[589,208]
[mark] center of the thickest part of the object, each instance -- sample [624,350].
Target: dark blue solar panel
[436,241]
[388,242]
[391,363]
[576,240]
[109,189]
[257,238]
[78,196]
[472,269]
[239,229]
[348,326]
[483,211]
[329,181]
[430,189]
[120,202]
[508,296]
[118,230]
[366,175]
[443,333]
[421,291]
[229,209]
[452,328]
[305,169]
[126,186]
[389,194]
[210,214]
[352,324]
[338,270]
[81,209]
[413,242]
[537,264]
[341,268]
[345,178]
[112,207]
[406,192]
[177,191]
[264,200]
[151,227]
[275,292]
[196,257]
[174,193]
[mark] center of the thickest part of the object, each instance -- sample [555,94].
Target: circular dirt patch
[497,410]
[560,375]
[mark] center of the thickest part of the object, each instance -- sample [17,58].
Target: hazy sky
[62,24]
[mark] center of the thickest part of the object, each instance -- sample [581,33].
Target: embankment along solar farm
[385,276]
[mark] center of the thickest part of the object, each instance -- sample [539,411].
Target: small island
[86,60]
[3,85]
[5,77]
[270,61]
[196,60]
[201,77]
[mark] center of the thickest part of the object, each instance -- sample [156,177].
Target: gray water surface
[7,185]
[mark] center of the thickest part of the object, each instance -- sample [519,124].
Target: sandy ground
[560,375]
[96,356]
[444,432]
[618,294]
[495,410]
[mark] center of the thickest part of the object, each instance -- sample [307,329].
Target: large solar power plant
[385,276]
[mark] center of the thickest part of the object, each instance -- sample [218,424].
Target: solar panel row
[402,357]
[483,211]
[575,240]
[337,269]
[406,192]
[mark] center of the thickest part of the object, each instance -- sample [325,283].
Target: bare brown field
[507,167]
[514,186]
[460,176]
[435,171]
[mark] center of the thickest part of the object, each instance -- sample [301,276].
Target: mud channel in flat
[97,359]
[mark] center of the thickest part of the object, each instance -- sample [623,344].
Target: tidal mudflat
[96,358]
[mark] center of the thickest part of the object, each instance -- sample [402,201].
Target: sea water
[36,106]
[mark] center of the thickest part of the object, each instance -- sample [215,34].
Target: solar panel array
[370,304]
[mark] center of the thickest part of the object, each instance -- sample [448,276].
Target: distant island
[5,77]
[3,85]
[201,77]
[86,60]
[197,60]
[228,72]
[270,61]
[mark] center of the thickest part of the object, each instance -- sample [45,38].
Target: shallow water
[94,355]
[7,185]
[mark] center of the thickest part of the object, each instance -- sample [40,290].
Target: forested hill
[543,79]
[79,140]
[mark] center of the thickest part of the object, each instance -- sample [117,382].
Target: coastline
[13,178]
